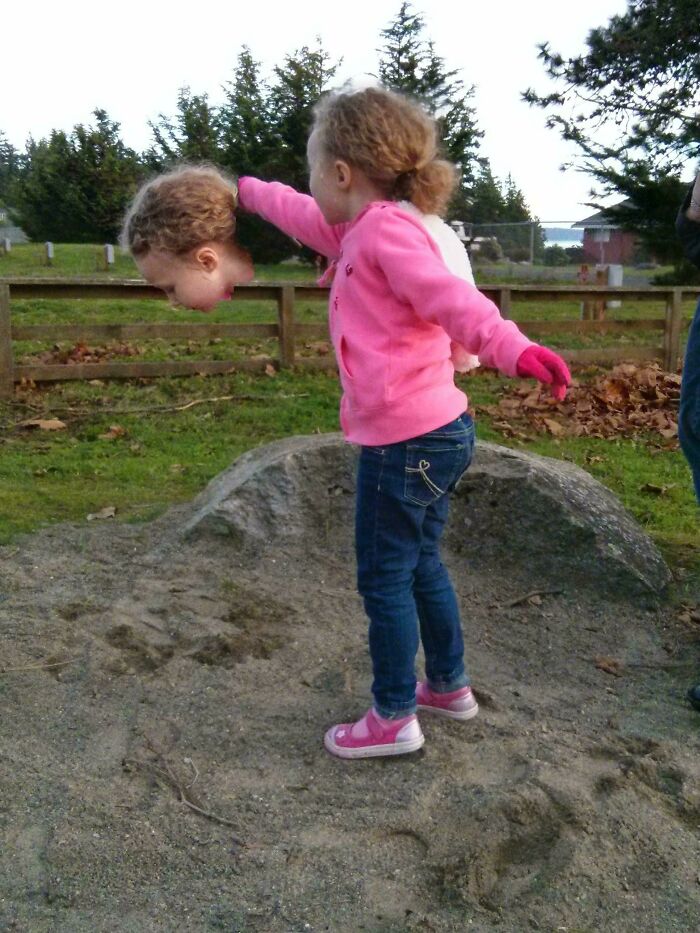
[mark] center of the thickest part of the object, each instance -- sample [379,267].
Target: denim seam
[464,432]
[376,511]
[436,450]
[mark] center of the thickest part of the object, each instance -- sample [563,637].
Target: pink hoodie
[394,309]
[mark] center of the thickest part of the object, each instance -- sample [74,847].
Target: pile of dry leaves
[627,401]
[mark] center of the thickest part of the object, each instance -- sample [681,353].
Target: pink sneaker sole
[373,737]
[460,704]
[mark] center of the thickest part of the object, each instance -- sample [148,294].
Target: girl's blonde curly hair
[178,211]
[392,139]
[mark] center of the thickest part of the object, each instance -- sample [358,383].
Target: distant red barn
[604,241]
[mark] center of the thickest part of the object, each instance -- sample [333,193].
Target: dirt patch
[161,762]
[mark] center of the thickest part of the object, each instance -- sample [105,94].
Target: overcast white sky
[61,60]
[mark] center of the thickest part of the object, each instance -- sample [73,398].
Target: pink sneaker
[458,704]
[372,736]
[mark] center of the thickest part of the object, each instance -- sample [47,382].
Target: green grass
[164,456]
[29,259]
[168,456]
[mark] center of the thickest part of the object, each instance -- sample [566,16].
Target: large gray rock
[296,488]
[552,519]
[542,520]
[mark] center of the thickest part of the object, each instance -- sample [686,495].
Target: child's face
[327,186]
[201,278]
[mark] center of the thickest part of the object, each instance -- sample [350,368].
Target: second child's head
[383,144]
[180,229]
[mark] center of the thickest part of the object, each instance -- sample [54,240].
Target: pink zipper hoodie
[394,310]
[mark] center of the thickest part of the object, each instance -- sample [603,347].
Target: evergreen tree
[501,212]
[244,120]
[634,95]
[410,64]
[402,61]
[247,147]
[10,164]
[46,203]
[192,135]
[298,85]
[487,199]
[107,173]
[630,103]
[75,188]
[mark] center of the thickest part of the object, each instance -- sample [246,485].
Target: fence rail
[286,329]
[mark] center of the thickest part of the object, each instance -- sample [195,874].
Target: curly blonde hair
[392,139]
[177,211]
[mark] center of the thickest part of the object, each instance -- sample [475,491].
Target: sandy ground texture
[161,762]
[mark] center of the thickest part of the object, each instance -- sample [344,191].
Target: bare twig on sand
[37,667]
[162,770]
[86,413]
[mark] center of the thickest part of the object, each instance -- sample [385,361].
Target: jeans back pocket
[434,464]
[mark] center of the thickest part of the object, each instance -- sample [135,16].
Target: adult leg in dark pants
[689,425]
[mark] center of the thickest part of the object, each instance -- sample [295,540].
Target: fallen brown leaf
[553,427]
[656,490]
[115,430]
[48,424]
[609,665]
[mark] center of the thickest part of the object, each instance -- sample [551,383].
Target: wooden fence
[665,331]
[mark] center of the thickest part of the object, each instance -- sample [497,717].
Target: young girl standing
[395,310]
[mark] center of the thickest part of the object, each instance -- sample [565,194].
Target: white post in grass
[109,255]
[6,246]
[49,254]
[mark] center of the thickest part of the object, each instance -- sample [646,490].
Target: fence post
[672,329]
[7,381]
[504,301]
[285,308]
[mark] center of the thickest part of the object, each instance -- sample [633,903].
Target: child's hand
[547,367]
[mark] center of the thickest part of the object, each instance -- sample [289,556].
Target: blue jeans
[689,413]
[402,503]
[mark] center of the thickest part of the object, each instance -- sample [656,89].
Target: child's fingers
[547,367]
[559,370]
[538,371]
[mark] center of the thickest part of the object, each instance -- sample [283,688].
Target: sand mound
[161,763]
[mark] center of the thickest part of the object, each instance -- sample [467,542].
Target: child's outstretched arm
[417,276]
[295,214]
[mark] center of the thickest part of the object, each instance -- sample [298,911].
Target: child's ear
[343,174]
[207,258]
